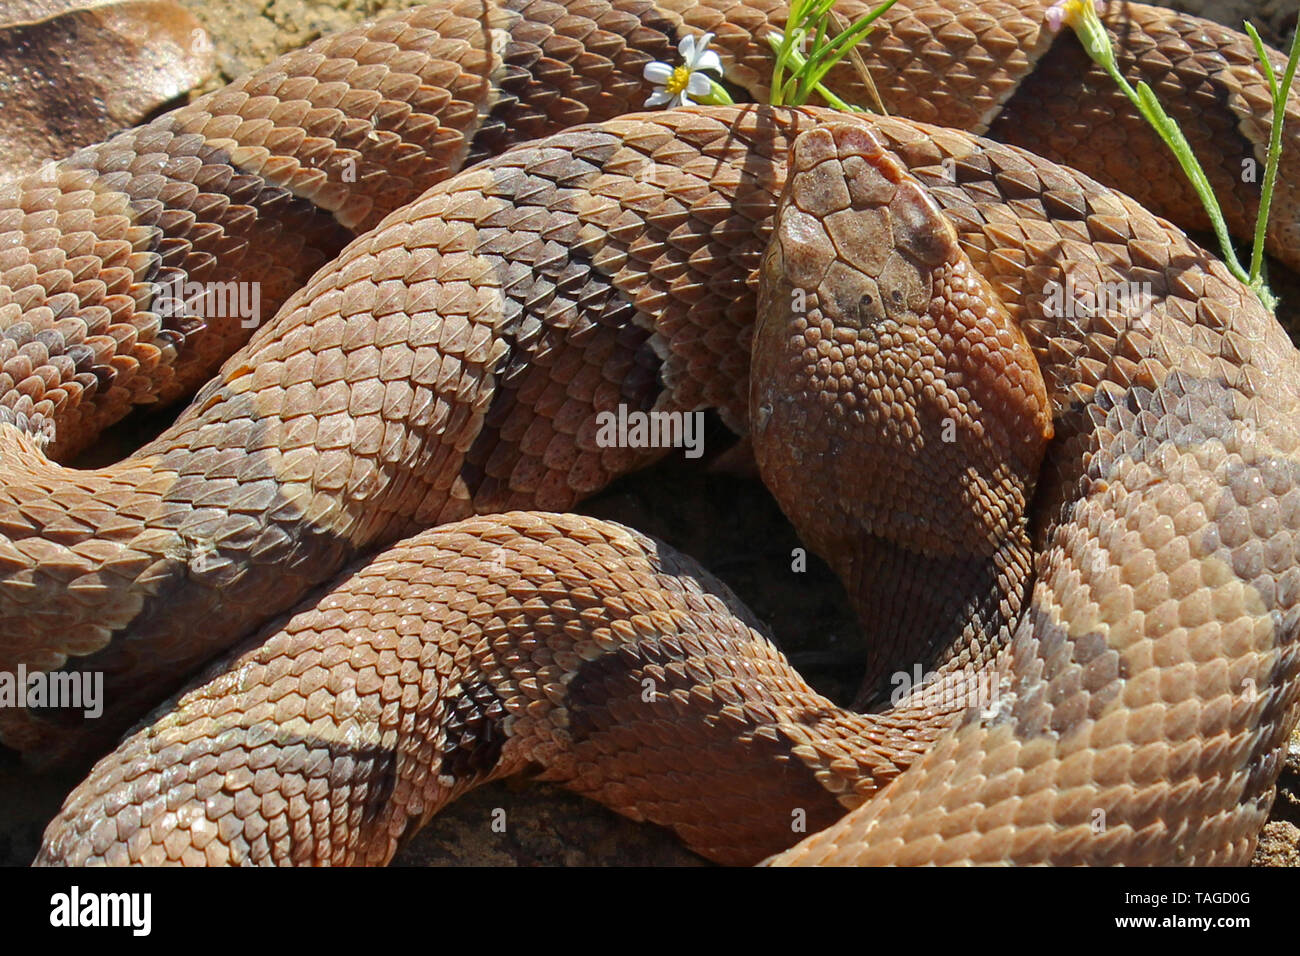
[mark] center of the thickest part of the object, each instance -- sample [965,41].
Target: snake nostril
[870,310]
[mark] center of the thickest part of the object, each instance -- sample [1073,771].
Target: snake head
[886,373]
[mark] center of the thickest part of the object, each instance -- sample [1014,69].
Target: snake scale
[360,523]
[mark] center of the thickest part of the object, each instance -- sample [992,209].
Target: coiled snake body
[1090,511]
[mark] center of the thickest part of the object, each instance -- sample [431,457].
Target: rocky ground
[726,521]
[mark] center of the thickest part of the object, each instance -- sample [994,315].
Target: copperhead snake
[372,494]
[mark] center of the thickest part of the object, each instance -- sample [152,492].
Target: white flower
[676,86]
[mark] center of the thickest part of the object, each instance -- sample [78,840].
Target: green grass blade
[1262,53]
[1281,94]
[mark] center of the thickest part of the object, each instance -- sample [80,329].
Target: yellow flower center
[678,81]
[1073,11]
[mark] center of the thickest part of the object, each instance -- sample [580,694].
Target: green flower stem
[1096,41]
[1087,24]
[1280,95]
[1145,100]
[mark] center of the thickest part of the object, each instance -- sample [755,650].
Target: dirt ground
[728,522]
